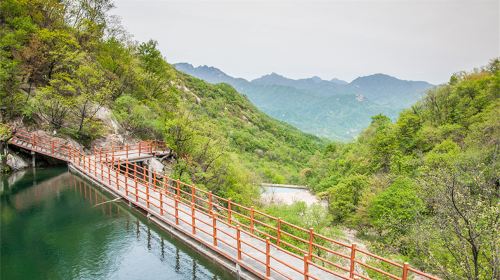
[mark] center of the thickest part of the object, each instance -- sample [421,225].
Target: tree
[345,196]
[93,90]
[156,73]
[382,143]
[464,198]
[395,209]
[53,102]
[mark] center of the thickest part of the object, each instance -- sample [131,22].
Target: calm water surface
[55,225]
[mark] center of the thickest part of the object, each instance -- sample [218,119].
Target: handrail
[111,166]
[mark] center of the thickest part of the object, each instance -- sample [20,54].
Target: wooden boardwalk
[263,245]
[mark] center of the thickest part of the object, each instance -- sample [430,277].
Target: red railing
[296,251]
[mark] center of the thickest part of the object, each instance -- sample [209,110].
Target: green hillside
[333,109]
[427,186]
[62,62]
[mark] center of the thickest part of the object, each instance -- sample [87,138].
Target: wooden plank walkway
[212,221]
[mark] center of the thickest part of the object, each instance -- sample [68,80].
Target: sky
[410,39]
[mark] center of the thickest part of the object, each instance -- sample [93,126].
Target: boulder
[16,162]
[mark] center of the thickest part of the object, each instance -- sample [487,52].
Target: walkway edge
[218,259]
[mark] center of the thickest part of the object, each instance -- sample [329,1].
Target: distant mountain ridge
[333,108]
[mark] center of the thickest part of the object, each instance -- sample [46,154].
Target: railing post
[229,210]
[252,214]
[109,174]
[117,173]
[306,267]
[268,258]
[210,206]
[178,188]
[52,146]
[139,148]
[278,233]
[193,219]
[136,190]
[126,151]
[100,154]
[238,241]
[353,260]
[161,202]
[193,194]
[177,210]
[311,239]
[406,267]
[102,170]
[147,195]
[214,227]
[126,177]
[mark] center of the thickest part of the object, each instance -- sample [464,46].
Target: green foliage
[396,208]
[62,62]
[433,178]
[345,196]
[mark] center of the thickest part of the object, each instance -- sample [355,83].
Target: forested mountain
[427,185]
[423,188]
[63,62]
[334,109]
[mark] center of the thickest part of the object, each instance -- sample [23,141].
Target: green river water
[56,225]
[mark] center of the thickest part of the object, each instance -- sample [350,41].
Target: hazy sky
[417,40]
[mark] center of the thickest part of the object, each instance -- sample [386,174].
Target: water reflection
[55,225]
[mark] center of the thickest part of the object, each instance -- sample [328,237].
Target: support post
[278,233]
[229,210]
[178,187]
[147,195]
[193,219]
[177,210]
[306,267]
[353,262]
[311,239]
[268,258]
[33,159]
[117,173]
[238,241]
[150,178]
[252,214]
[161,202]
[406,267]
[136,190]
[126,177]
[109,175]
[214,227]
[210,206]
